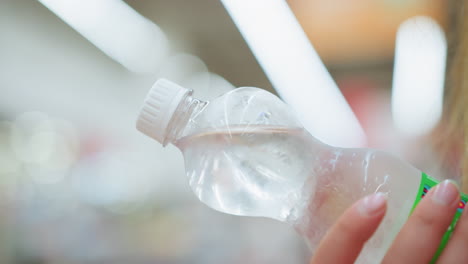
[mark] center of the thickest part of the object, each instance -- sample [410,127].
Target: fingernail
[372,204]
[445,193]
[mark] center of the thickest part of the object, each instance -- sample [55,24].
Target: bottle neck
[187,110]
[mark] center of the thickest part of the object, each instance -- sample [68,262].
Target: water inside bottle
[255,171]
[286,174]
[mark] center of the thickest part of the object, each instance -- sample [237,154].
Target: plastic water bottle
[246,154]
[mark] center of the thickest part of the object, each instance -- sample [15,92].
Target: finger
[420,237]
[456,249]
[351,231]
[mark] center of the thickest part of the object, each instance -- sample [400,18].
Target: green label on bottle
[426,184]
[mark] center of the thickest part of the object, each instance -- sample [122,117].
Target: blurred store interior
[78,182]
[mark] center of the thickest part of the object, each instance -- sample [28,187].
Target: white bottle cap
[158,108]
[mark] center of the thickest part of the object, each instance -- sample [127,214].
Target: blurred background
[79,184]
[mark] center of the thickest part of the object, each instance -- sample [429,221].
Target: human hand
[417,241]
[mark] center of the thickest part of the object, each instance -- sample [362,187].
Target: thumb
[351,231]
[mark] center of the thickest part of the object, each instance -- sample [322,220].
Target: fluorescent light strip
[115,28]
[295,70]
[419,74]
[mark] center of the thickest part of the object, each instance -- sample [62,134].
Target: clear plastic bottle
[246,154]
